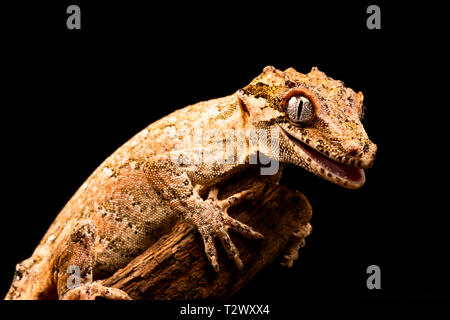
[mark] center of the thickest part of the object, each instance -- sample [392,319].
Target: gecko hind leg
[75,268]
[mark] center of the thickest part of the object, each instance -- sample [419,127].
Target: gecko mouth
[329,169]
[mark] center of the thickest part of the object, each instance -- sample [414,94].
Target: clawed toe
[243,229]
[235,199]
[231,249]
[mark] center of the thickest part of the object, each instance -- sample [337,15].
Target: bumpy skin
[137,194]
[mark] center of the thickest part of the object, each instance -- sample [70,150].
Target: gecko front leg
[208,216]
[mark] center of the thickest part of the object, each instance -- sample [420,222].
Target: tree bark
[176,267]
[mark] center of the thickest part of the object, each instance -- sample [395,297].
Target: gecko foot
[91,291]
[217,225]
[297,242]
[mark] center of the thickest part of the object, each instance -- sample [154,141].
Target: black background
[70,98]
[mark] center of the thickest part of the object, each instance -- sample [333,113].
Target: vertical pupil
[300,108]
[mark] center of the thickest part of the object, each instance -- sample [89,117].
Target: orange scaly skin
[136,195]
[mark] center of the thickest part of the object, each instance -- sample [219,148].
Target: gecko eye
[300,110]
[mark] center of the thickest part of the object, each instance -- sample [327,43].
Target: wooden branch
[176,267]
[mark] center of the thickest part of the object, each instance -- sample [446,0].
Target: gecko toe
[231,249]
[211,251]
[235,199]
[243,229]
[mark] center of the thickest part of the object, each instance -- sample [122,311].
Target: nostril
[352,148]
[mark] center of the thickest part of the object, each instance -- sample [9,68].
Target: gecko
[158,177]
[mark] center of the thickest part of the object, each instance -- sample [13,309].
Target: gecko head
[318,120]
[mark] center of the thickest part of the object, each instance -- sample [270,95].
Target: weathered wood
[176,266]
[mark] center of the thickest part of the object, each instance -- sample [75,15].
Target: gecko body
[137,194]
